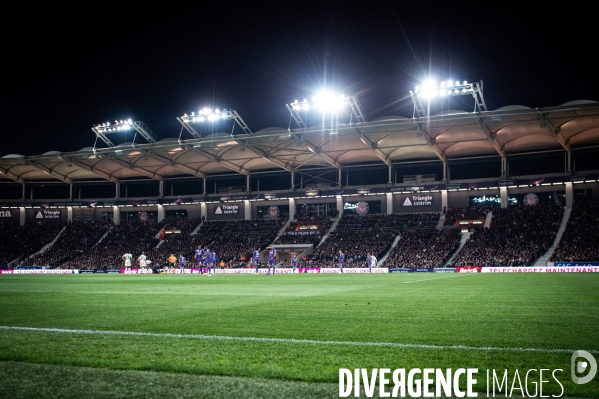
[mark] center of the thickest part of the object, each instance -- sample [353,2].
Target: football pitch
[287,336]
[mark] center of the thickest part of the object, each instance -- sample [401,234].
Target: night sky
[66,69]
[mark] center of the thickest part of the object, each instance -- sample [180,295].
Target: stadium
[467,240]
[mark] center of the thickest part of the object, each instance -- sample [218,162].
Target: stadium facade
[394,164]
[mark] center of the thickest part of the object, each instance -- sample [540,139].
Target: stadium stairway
[281,231]
[488,219]
[102,238]
[333,227]
[544,259]
[199,226]
[441,222]
[465,237]
[48,245]
[384,257]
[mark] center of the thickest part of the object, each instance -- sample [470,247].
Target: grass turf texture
[544,311]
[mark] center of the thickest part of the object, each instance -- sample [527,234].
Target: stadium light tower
[325,103]
[431,91]
[207,115]
[103,129]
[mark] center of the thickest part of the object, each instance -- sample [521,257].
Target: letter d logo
[581,366]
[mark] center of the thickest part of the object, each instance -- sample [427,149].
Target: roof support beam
[94,170]
[430,141]
[491,136]
[374,147]
[265,155]
[12,176]
[316,151]
[219,160]
[177,165]
[132,167]
[51,172]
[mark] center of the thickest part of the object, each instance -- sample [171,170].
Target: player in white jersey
[127,258]
[142,260]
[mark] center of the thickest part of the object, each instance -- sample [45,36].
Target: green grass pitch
[543,312]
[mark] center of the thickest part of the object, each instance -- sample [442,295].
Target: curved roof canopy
[506,131]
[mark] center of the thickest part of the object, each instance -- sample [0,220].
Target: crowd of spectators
[234,240]
[177,241]
[133,236]
[76,239]
[580,241]
[357,236]
[470,213]
[518,235]
[306,230]
[19,242]
[423,248]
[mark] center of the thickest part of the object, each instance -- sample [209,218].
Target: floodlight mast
[328,104]
[119,126]
[448,88]
[206,115]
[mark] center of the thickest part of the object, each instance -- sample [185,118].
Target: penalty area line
[287,340]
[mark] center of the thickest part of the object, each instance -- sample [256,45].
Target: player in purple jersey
[341,260]
[212,262]
[182,263]
[294,262]
[272,258]
[256,258]
[199,255]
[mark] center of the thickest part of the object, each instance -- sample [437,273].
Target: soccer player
[372,262]
[294,262]
[172,261]
[272,258]
[182,263]
[368,259]
[212,261]
[127,258]
[142,262]
[199,255]
[256,258]
[341,260]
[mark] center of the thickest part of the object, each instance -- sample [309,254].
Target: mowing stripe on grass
[288,340]
[437,278]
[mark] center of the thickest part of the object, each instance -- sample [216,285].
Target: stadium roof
[453,134]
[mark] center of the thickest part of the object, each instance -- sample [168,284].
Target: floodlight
[447,88]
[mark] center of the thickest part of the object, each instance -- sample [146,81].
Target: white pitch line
[437,278]
[289,340]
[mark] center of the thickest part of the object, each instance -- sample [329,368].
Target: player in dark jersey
[256,258]
[182,263]
[294,262]
[341,260]
[272,258]
[199,255]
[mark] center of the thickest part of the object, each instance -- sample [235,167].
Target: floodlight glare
[429,90]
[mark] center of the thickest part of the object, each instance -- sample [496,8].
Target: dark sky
[66,69]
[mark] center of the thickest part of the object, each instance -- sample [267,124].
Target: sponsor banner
[445,270]
[379,270]
[399,270]
[47,214]
[576,264]
[226,209]
[309,269]
[32,271]
[468,269]
[6,214]
[532,269]
[417,200]
[331,270]
[101,271]
[355,270]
